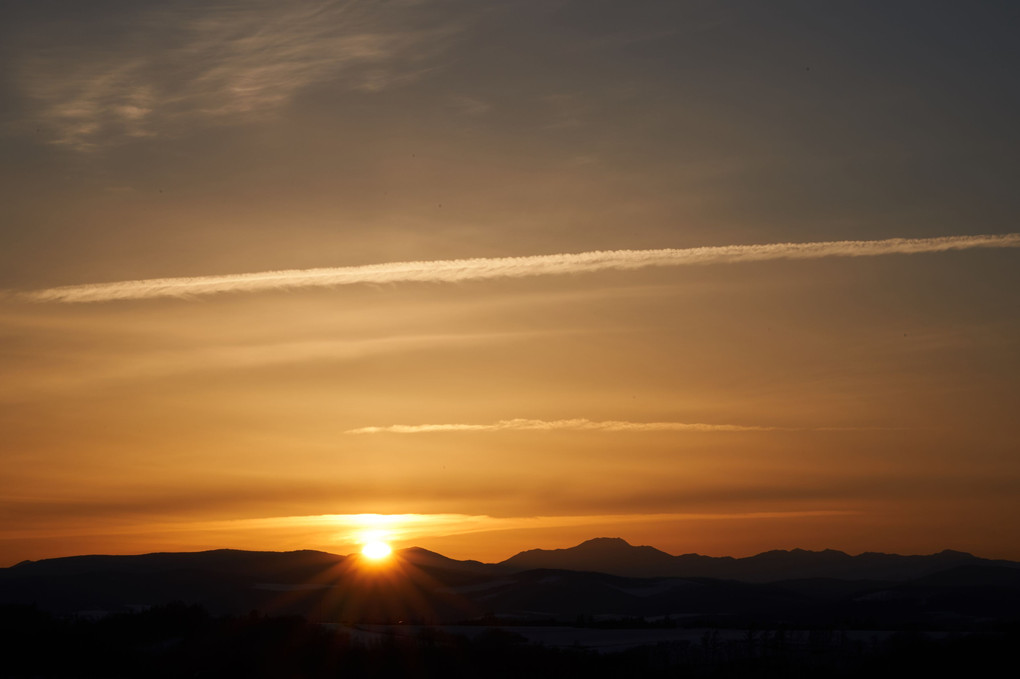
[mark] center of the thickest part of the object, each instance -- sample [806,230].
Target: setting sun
[376,550]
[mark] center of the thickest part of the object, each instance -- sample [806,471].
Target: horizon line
[534,549]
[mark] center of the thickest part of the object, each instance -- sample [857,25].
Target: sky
[477,276]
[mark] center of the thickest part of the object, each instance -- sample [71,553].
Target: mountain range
[598,579]
[617,556]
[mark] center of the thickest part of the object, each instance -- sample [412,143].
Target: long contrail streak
[457,270]
[579,424]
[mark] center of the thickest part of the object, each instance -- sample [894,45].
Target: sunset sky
[516,297]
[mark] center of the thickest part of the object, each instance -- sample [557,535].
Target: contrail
[456,270]
[550,425]
[581,424]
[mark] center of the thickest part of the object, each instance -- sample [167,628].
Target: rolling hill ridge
[600,578]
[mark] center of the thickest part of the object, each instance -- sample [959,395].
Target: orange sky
[863,402]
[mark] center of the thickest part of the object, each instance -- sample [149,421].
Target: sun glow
[376,550]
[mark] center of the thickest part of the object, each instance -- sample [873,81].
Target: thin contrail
[577,425]
[456,270]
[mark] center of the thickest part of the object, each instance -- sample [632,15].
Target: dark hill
[419,585]
[315,585]
[616,556]
[284,566]
[604,555]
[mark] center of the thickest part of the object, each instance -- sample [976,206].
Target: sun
[376,550]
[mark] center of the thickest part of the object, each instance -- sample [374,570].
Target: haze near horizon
[717,277]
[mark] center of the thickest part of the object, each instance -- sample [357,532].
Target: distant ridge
[609,555]
[236,562]
[604,555]
[618,557]
[599,577]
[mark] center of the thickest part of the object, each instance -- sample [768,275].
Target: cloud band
[458,270]
[551,425]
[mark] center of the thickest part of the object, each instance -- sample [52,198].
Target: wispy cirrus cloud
[460,270]
[119,365]
[578,424]
[219,62]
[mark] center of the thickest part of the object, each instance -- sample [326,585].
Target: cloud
[123,365]
[459,270]
[219,62]
[551,425]
[348,528]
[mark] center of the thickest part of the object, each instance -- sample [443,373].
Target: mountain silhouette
[295,565]
[604,555]
[616,556]
[603,577]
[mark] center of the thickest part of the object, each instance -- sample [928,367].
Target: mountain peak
[421,551]
[605,542]
[603,554]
